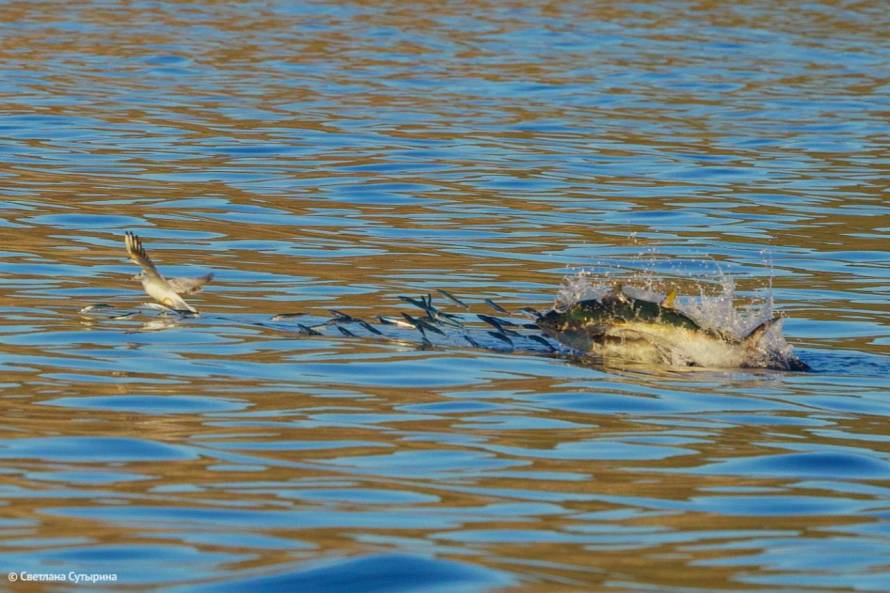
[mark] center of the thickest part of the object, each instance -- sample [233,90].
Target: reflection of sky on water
[321,157]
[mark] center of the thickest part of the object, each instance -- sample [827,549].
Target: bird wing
[189,285]
[137,253]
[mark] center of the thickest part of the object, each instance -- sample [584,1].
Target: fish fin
[616,295]
[752,340]
[669,299]
[622,334]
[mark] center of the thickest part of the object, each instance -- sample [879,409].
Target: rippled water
[321,156]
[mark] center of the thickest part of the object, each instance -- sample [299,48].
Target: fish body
[616,307]
[496,306]
[452,298]
[620,327]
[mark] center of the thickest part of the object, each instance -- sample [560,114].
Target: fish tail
[752,340]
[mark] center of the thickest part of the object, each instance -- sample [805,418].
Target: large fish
[620,327]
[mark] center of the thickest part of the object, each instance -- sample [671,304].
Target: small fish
[496,306]
[452,298]
[498,324]
[396,321]
[490,321]
[496,321]
[326,322]
[431,327]
[531,311]
[421,304]
[286,316]
[368,327]
[433,314]
[105,310]
[502,337]
[98,307]
[471,341]
[543,341]
[449,319]
[413,321]
[423,324]
[341,317]
[307,331]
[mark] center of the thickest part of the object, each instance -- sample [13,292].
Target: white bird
[166,291]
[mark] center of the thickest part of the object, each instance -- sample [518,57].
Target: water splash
[711,300]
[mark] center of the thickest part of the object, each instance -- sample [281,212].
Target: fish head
[578,315]
[550,320]
[578,326]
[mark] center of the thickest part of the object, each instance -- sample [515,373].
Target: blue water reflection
[319,156]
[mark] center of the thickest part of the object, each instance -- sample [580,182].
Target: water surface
[337,155]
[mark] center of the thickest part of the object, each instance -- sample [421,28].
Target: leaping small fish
[618,326]
[167,291]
